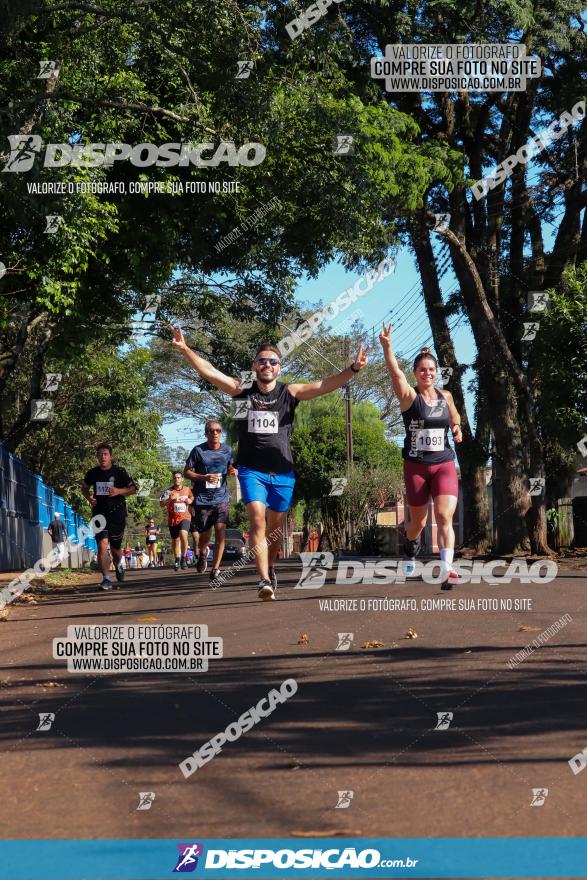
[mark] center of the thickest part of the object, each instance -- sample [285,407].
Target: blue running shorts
[275,491]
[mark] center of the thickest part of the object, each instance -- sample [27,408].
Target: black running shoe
[202,563]
[176,564]
[183,562]
[412,548]
[273,577]
[120,572]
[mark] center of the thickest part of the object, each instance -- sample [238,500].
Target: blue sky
[398,296]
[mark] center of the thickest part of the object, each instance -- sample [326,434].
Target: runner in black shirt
[106,488]
[264,462]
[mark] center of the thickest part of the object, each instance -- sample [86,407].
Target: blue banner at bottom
[274,858]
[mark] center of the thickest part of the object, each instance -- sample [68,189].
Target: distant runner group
[265,468]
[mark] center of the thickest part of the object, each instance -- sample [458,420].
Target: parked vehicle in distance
[234,546]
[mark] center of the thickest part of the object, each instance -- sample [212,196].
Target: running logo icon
[530,331]
[539,795]
[437,410]
[146,799]
[247,379]
[441,222]
[536,485]
[41,410]
[444,719]
[344,800]
[187,860]
[338,486]
[245,68]
[53,222]
[445,374]
[240,408]
[46,720]
[52,381]
[153,301]
[537,300]
[23,149]
[343,144]
[314,571]
[47,69]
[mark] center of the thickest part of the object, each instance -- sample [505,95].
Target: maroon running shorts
[425,480]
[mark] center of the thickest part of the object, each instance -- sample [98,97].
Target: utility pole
[349,434]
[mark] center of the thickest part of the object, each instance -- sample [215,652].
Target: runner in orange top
[177,500]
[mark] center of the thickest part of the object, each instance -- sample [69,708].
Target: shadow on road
[370,708]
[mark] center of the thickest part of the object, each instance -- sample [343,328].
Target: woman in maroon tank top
[429,468]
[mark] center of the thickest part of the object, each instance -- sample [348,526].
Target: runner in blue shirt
[207,467]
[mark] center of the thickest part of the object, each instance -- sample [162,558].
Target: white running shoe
[451,578]
[266,591]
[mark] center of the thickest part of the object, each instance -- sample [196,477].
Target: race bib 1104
[261,422]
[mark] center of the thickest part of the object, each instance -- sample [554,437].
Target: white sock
[447,555]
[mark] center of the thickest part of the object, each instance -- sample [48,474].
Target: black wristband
[355,371]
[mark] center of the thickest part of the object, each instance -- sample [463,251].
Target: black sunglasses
[272,361]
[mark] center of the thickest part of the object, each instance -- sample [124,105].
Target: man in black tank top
[264,412]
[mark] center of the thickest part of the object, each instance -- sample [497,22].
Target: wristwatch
[355,371]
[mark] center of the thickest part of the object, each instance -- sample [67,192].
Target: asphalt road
[363,720]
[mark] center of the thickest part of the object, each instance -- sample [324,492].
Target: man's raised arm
[202,366]
[309,390]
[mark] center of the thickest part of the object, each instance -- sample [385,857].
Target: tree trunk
[517,446]
[537,527]
[476,526]
[306,524]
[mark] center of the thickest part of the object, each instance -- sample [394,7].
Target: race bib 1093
[430,439]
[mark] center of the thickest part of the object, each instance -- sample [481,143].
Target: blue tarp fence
[27,506]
